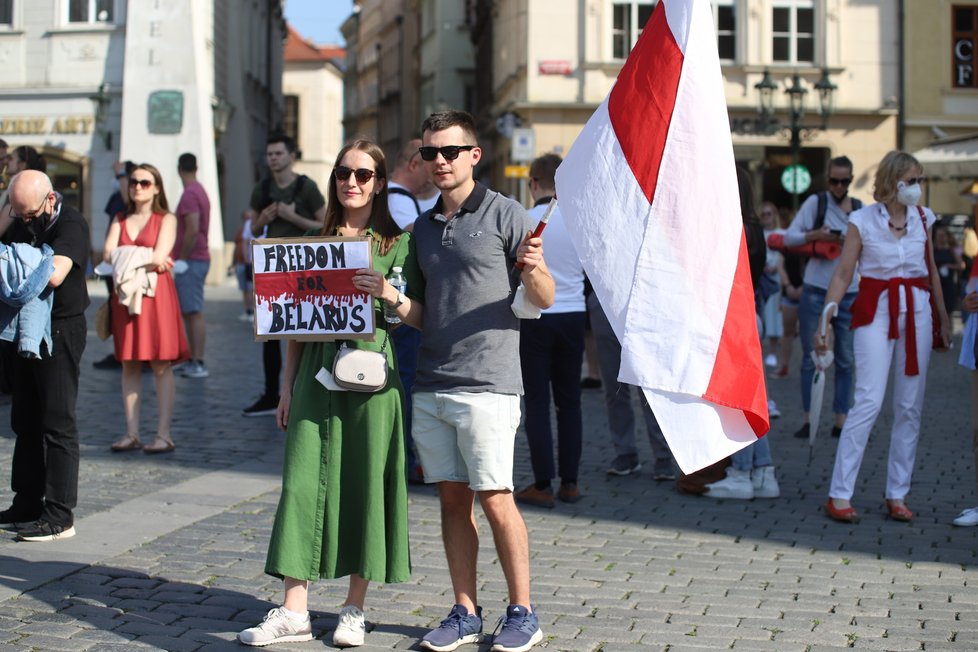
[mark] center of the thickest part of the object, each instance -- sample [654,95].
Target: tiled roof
[298,48]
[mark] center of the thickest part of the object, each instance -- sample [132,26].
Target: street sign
[796,179]
[517,171]
[523,145]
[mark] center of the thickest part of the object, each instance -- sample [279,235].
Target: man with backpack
[825,217]
[283,205]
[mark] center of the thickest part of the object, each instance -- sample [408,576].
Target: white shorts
[466,437]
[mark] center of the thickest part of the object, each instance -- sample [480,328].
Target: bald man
[42,415]
[409,189]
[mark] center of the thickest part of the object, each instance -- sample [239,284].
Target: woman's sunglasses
[142,183]
[448,152]
[363,175]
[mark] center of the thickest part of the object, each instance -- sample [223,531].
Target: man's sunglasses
[840,182]
[448,152]
[142,183]
[32,214]
[363,175]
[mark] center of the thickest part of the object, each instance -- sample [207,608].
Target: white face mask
[908,195]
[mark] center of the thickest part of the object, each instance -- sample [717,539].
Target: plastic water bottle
[400,284]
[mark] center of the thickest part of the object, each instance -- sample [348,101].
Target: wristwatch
[400,300]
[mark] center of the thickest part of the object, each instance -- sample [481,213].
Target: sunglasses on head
[142,183]
[363,175]
[840,182]
[448,152]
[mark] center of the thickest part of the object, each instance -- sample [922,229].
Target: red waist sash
[864,310]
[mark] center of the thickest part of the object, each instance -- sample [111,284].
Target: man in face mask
[825,217]
[44,477]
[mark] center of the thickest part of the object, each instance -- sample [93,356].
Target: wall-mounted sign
[517,171]
[554,67]
[796,179]
[164,112]
[35,126]
[304,289]
[523,145]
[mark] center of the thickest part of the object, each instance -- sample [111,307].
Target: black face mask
[38,225]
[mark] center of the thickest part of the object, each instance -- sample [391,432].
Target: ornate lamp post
[795,130]
[102,101]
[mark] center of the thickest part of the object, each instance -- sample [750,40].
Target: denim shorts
[467,437]
[190,286]
[243,273]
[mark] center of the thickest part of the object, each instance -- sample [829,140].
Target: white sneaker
[764,483]
[771,360]
[967,518]
[772,409]
[246,316]
[736,485]
[195,369]
[351,627]
[278,627]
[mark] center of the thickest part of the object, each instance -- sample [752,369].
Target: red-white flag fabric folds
[649,192]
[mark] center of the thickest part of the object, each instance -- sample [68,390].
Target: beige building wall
[319,87]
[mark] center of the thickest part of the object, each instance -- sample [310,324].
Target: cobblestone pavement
[170,549]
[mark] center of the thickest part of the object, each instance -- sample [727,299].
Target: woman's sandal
[160,445]
[128,443]
[898,511]
[843,515]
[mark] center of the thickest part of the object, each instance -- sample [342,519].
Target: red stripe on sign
[643,99]
[333,286]
[738,374]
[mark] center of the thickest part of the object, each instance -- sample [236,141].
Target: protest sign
[304,289]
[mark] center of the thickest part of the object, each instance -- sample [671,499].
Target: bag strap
[923,221]
[823,205]
[343,343]
[407,193]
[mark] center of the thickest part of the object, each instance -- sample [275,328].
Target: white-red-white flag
[649,193]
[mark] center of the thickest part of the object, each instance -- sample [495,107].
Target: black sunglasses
[448,152]
[840,182]
[915,180]
[142,183]
[343,173]
[32,214]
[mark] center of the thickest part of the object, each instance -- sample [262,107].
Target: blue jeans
[809,312]
[756,455]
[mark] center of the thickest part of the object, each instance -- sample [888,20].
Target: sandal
[898,511]
[841,514]
[160,445]
[127,443]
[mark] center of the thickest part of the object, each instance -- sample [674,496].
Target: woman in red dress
[155,335]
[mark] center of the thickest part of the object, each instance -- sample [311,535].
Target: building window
[794,31]
[290,117]
[628,20]
[6,13]
[90,11]
[724,13]
[964,40]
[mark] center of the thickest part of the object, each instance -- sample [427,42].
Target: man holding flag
[665,251]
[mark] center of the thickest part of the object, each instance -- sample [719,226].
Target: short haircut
[31,158]
[407,153]
[187,163]
[443,120]
[841,162]
[280,137]
[893,166]
[544,169]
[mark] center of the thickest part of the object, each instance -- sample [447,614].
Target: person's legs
[908,403]
[190,291]
[512,543]
[296,595]
[974,421]
[567,356]
[165,398]
[132,384]
[537,354]
[621,417]
[27,468]
[460,536]
[809,313]
[272,364]
[357,592]
[196,333]
[789,320]
[844,359]
[660,447]
[407,342]
[873,352]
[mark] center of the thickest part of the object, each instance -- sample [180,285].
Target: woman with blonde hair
[343,508]
[141,240]
[890,243]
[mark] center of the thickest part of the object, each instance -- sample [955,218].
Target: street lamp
[795,130]
[222,115]
[102,101]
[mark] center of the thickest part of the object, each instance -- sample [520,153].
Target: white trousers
[874,354]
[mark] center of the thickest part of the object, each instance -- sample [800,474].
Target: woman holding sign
[343,508]
[146,327]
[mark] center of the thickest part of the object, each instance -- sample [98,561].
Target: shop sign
[554,67]
[34,126]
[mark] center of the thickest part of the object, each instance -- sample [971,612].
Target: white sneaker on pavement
[967,518]
[772,409]
[278,627]
[764,482]
[351,627]
[736,485]
[771,360]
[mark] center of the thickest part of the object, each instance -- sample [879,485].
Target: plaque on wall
[164,114]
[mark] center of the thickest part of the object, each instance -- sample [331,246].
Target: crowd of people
[886,276]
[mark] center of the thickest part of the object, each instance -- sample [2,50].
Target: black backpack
[823,205]
[266,190]
[406,193]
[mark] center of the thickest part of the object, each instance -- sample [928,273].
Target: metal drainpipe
[901,72]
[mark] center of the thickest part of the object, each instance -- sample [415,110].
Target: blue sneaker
[459,628]
[520,630]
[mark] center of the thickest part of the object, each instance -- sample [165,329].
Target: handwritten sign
[304,289]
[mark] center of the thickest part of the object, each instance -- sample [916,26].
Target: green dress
[343,507]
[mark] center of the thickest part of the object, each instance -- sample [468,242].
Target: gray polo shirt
[471,338]
[819,271]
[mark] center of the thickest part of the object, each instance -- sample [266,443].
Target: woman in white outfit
[889,241]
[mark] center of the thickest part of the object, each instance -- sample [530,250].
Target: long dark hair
[160,204]
[380,217]
[753,230]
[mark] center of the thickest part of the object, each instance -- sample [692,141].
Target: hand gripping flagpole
[542,224]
